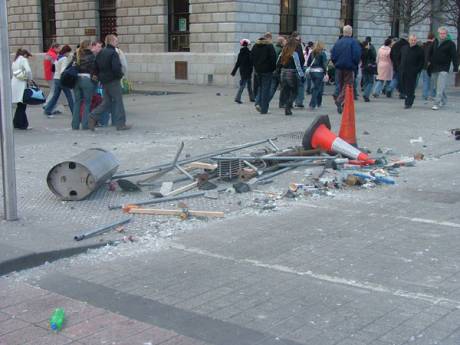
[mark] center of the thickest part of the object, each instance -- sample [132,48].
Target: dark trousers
[20,117]
[408,85]
[289,87]
[56,93]
[264,81]
[317,89]
[345,77]
[111,101]
[243,83]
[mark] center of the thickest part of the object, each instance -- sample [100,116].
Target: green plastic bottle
[57,319]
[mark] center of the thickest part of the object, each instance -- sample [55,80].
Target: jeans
[274,86]
[111,101]
[317,89]
[440,80]
[20,116]
[379,86]
[264,81]
[289,86]
[428,89]
[394,84]
[83,90]
[368,83]
[243,83]
[57,92]
[300,92]
[309,84]
[345,77]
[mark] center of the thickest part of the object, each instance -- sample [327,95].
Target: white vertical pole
[6,122]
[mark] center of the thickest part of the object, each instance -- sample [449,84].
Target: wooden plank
[182,189]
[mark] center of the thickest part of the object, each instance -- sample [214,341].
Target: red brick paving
[25,310]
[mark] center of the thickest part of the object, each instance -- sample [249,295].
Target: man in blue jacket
[345,55]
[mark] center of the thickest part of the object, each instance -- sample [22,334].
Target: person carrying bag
[21,74]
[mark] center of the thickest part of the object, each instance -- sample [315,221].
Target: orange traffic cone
[318,135]
[347,127]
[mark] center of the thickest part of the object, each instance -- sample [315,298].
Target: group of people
[300,68]
[97,68]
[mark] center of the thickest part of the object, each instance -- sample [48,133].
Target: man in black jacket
[443,53]
[264,59]
[109,72]
[411,64]
[244,63]
[395,57]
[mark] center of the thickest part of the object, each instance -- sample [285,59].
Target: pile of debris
[329,163]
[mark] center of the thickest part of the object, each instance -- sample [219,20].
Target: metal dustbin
[82,174]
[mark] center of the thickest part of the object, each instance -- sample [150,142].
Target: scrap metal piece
[80,175]
[101,230]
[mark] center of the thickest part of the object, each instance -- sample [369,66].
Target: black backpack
[69,76]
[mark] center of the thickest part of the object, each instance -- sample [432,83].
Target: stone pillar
[76,20]
[24,25]
[142,25]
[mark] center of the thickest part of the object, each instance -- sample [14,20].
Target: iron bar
[100,231]
[161,167]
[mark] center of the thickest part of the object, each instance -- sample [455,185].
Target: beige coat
[17,85]
[384,64]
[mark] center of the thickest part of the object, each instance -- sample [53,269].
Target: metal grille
[48,23]
[178,25]
[288,16]
[107,17]
[228,169]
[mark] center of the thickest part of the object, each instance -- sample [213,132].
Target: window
[48,23]
[178,21]
[288,17]
[107,18]
[347,9]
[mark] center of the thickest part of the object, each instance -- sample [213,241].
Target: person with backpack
[109,71]
[244,64]
[317,67]
[84,61]
[61,64]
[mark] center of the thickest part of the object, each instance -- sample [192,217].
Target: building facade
[185,41]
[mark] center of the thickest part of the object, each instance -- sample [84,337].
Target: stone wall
[75,19]
[24,25]
[319,20]
[142,25]
[255,17]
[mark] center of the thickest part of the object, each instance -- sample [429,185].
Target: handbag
[33,95]
[308,69]
[20,75]
[126,86]
[69,76]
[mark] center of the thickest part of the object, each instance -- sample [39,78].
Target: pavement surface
[357,266]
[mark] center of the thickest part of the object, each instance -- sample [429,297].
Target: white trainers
[435,107]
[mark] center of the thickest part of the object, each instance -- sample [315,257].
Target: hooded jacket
[395,54]
[244,63]
[442,55]
[50,59]
[263,56]
[346,54]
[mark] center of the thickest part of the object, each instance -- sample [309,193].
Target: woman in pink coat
[384,68]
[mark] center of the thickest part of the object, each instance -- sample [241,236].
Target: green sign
[182,24]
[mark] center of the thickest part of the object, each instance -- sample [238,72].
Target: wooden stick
[200,165]
[182,189]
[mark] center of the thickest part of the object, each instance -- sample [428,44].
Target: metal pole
[6,122]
